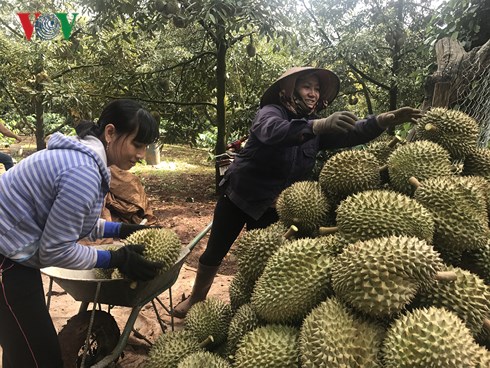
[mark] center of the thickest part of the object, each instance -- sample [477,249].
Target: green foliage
[464,20]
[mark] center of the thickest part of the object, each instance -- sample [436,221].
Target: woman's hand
[403,115]
[338,122]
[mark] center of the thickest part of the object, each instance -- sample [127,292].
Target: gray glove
[337,123]
[403,115]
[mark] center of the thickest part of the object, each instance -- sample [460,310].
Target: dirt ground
[187,208]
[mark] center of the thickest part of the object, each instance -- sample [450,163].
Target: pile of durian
[383,261]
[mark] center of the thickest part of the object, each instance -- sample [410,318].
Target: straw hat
[329,85]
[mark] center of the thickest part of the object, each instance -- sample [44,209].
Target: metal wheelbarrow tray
[85,287]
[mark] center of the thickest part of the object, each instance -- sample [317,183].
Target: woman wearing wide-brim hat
[284,139]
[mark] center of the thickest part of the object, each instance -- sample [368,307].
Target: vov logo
[47,26]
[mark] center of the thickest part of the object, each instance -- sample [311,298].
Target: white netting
[473,98]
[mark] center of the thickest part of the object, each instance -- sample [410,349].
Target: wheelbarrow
[92,338]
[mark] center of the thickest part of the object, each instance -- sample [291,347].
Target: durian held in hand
[147,253]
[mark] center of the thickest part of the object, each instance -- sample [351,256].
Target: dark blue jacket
[281,149]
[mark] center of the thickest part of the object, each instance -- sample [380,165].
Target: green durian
[468,296]
[244,321]
[210,317]
[203,359]
[349,172]
[477,162]
[454,130]
[381,276]
[459,223]
[161,245]
[240,290]
[170,348]
[422,159]
[378,213]
[254,248]
[429,337]
[271,346]
[331,336]
[295,279]
[304,205]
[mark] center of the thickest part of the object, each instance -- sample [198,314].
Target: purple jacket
[281,150]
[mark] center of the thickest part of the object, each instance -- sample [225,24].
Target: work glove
[403,115]
[337,123]
[127,229]
[130,261]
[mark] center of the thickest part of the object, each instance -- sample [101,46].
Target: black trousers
[228,222]
[27,334]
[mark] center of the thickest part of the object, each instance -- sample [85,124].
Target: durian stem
[323,230]
[291,231]
[430,126]
[383,168]
[446,276]
[486,324]
[394,142]
[414,182]
[206,342]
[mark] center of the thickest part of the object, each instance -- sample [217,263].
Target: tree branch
[18,34]
[156,101]
[185,62]
[75,68]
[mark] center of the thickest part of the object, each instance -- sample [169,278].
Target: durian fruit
[429,337]
[240,291]
[477,162]
[381,276]
[333,337]
[468,296]
[210,317]
[161,245]
[271,346]
[244,321]
[454,130]
[304,205]
[459,223]
[379,213]
[106,273]
[170,348]
[422,159]
[480,192]
[478,262]
[349,172]
[382,149]
[482,358]
[254,248]
[203,359]
[295,279]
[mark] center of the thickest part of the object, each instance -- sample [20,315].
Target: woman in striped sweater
[48,202]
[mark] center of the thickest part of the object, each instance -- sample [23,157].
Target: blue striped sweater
[52,199]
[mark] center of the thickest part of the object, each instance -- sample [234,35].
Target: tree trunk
[40,139]
[456,68]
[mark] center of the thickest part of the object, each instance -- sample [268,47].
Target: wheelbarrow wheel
[103,338]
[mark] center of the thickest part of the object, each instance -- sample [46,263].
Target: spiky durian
[170,348]
[244,321]
[381,276]
[240,290]
[254,248]
[429,337]
[161,245]
[203,359]
[271,346]
[349,172]
[478,262]
[477,162]
[295,279]
[333,337]
[459,223]
[422,159]
[304,205]
[382,149]
[378,213]
[454,130]
[210,317]
[468,296]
